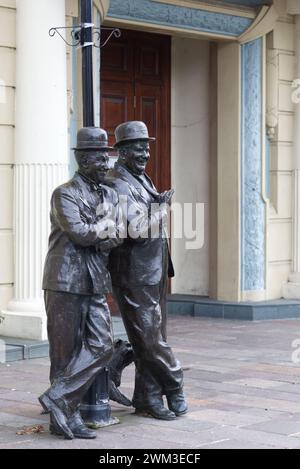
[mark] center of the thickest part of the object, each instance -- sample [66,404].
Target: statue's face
[96,164]
[136,156]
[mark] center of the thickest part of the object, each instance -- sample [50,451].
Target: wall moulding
[262,25]
[8,4]
[226,9]
[293,7]
[72,7]
[102,6]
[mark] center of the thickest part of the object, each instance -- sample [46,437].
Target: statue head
[132,143]
[91,152]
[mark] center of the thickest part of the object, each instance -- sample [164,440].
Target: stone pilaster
[291,290]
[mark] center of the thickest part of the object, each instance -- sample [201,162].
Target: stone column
[41,157]
[291,290]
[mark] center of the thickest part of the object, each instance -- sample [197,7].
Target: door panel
[117,105]
[117,59]
[148,109]
[151,59]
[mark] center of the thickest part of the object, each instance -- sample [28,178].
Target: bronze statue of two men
[107,233]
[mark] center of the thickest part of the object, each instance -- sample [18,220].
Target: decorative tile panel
[147,11]
[252,204]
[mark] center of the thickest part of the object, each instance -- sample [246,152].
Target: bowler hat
[92,138]
[131,131]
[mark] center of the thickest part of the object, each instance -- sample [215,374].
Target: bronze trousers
[80,342]
[158,372]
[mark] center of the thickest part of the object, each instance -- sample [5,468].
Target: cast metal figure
[76,281]
[139,269]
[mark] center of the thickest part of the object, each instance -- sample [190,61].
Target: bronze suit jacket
[137,261]
[73,264]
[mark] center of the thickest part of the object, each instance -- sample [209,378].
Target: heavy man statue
[139,269]
[76,281]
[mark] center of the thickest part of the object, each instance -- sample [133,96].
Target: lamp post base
[98,415]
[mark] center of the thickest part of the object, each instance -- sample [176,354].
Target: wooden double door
[135,85]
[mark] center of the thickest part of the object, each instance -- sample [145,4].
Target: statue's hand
[108,244]
[166,197]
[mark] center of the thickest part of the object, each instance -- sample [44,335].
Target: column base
[291,291]
[23,325]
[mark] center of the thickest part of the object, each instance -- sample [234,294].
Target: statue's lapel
[81,184]
[135,185]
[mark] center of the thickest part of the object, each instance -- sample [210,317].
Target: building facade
[218,84]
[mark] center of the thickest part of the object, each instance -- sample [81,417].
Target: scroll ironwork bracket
[78,35]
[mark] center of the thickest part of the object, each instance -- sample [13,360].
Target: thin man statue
[85,226]
[139,269]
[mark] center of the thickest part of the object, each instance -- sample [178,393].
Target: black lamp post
[87,63]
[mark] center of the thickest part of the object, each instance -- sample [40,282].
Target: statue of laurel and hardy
[87,248]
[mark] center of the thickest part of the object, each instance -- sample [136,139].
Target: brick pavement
[242,386]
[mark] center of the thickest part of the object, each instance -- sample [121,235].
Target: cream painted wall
[190,155]
[228,173]
[7,121]
[279,226]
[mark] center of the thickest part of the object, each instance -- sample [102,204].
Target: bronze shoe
[57,416]
[77,427]
[156,411]
[177,403]
[81,432]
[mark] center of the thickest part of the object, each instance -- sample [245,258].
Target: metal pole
[95,408]
[87,63]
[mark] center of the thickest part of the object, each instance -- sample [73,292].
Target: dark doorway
[135,85]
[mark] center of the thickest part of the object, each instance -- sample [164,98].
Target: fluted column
[41,157]
[34,184]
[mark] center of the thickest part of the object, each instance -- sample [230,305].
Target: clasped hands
[109,232]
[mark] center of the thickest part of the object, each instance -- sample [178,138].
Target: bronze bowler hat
[132,131]
[92,138]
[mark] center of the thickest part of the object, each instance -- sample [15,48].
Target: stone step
[199,306]
[21,349]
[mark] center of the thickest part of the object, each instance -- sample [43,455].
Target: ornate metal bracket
[114,32]
[78,35]
[75,34]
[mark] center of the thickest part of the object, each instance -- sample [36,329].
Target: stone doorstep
[24,349]
[197,306]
